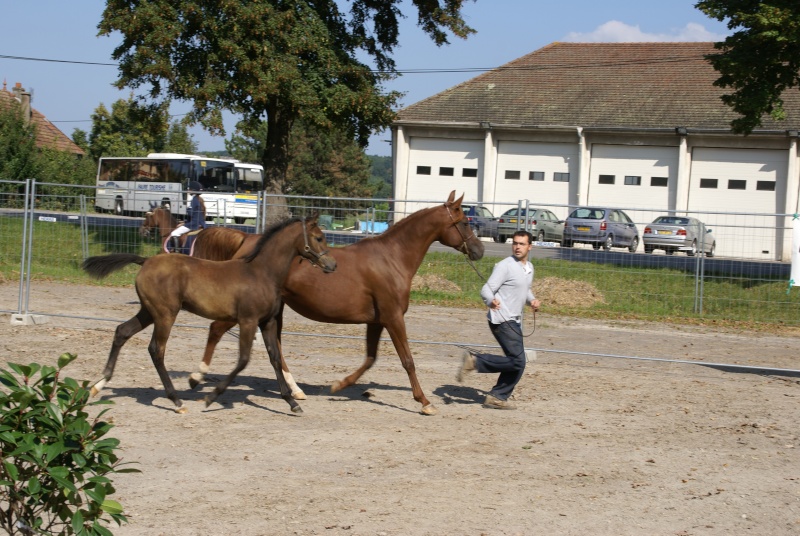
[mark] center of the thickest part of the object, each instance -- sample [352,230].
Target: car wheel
[692,252]
[634,244]
[608,243]
[669,251]
[118,208]
[540,236]
[648,249]
[498,239]
[566,244]
[596,246]
[711,251]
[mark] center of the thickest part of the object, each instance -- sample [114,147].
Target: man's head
[521,244]
[195,186]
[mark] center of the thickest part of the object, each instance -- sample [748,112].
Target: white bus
[131,185]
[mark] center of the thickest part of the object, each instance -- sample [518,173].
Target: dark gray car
[601,227]
[482,221]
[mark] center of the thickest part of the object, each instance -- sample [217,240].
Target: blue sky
[67,93]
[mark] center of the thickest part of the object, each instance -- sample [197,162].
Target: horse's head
[457,233]
[315,245]
[148,225]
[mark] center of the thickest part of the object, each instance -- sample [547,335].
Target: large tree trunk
[276,162]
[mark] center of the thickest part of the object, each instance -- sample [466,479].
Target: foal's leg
[157,347]
[124,331]
[247,331]
[215,332]
[269,331]
[373,340]
[297,393]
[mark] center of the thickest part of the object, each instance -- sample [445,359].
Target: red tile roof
[47,134]
[630,85]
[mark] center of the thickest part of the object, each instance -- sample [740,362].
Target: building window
[659,181]
[765,186]
[633,180]
[423,170]
[446,171]
[536,176]
[560,177]
[606,179]
[737,184]
[512,175]
[469,172]
[708,183]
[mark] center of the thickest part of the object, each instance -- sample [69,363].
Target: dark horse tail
[103,265]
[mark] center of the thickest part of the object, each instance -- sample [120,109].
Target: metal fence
[47,230]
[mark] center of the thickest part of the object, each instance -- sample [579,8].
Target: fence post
[84,228]
[24,318]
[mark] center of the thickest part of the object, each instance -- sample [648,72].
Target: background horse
[244,291]
[372,285]
[161,220]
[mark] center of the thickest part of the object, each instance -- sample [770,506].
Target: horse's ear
[313,219]
[458,201]
[452,197]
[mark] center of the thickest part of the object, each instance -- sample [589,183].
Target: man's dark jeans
[511,366]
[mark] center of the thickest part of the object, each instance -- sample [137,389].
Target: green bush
[56,460]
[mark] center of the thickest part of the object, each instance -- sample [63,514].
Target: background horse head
[160,219]
[371,286]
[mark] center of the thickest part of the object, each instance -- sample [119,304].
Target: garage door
[747,181]
[632,176]
[438,166]
[539,172]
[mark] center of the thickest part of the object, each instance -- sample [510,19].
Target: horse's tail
[103,265]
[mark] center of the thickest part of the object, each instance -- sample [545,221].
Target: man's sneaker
[467,365]
[492,402]
[530,356]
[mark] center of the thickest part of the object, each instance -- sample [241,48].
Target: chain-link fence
[47,230]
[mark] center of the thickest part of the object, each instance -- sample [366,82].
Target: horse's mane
[270,232]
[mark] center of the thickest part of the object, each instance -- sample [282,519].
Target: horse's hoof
[299,395]
[336,386]
[297,409]
[193,382]
[430,409]
[209,400]
[181,409]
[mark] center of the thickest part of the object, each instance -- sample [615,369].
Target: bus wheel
[118,209]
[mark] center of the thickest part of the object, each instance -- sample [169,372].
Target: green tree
[272,61]
[17,145]
[380,179]
[760,60]
[133,129]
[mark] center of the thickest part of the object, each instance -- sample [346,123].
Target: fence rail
[47,230]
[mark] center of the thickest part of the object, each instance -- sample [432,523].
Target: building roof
[614,85]
[47,134]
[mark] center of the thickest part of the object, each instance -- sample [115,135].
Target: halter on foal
[245,291]
[371,286]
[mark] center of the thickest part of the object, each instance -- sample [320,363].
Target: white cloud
[615,31]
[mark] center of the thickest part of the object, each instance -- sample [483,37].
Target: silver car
[602,228]
[542,223]
[679,233]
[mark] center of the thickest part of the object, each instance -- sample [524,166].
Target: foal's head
[310,242]
[457,233]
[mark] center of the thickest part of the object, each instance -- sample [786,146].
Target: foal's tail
[103,265]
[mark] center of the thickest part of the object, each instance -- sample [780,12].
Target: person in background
[195,217]
[506,293]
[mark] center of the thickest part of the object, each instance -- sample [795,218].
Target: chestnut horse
[162,220]
[246,291]
[372,285]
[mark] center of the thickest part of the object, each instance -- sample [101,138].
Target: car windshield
[671,220]
[588,213]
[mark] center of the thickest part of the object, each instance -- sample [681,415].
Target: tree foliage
[56,459]
[132,129]
[17,145]
[271,61]
[760,60]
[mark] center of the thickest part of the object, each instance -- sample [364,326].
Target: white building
[629,125]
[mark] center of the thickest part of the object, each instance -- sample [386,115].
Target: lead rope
[469,261]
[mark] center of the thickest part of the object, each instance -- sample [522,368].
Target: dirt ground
[598,445]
